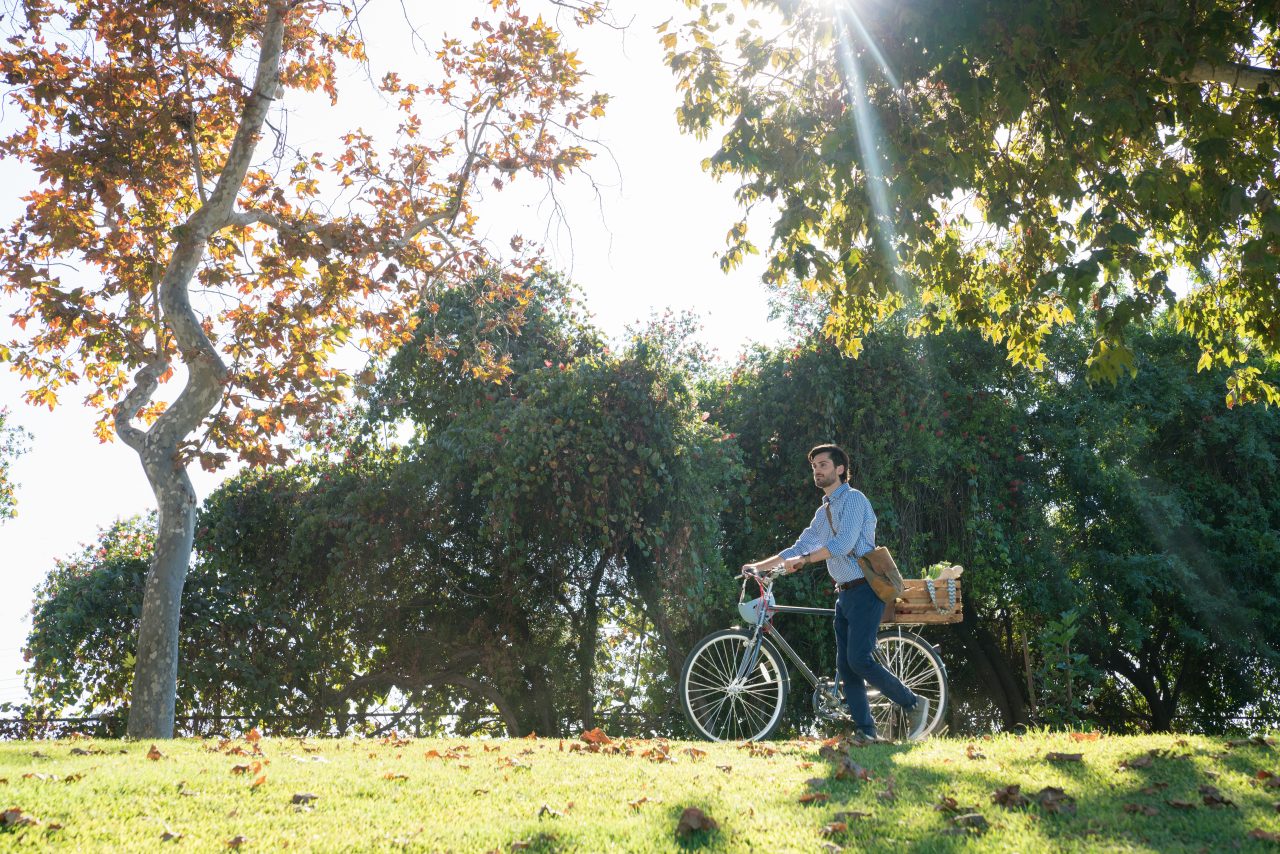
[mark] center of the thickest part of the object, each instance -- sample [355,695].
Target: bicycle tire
[720,710]
[917,665]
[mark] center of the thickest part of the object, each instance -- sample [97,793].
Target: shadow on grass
[1100,790]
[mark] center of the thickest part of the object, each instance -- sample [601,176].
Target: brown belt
[849,585]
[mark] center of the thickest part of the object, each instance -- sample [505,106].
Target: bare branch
[145,383]
[1235,74]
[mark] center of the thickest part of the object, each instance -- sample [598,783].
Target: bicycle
[734,682]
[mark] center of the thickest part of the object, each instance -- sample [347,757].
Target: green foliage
[12,444]
[1147,507]
[536,557]
[85,621]
[1006,167]
[540,552]
[1167,524]
[1060,702]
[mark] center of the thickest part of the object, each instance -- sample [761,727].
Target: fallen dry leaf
[816,782]
[546,810]
[851,815]
[694,752]
[86,751]
[804,766]
[154,753]
[237,841]
[725,768]
[850,770]
[946,803]
[1154,788]
[170,836]
[1144,809]
[832,828]
[1264,835]
[303,798]
[253,736]
[1086,736]
[14,817]
[390,775]
[1252,741]
[520,845]
[890,794]
[970,822]
[641,801]
[241,769]
[1064,757]
[1213,798]
[754,748]
[1181,805]
[1145,761]
[596,736]
[1054,800]
[973,752]
[814,798]
[1010,796]
[258,782]
[693,820]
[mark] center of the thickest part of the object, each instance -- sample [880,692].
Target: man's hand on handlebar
[771,570]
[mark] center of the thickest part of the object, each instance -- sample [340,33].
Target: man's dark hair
[838,458]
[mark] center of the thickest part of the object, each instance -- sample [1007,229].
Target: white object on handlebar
[750,611]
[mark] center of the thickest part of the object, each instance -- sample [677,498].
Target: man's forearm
[768,563]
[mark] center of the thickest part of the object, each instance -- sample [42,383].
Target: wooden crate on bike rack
[916,606]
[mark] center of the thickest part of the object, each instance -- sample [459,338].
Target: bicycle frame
[764,626]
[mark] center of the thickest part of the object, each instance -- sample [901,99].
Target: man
[843,530]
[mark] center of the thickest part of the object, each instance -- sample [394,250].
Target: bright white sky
[646,245]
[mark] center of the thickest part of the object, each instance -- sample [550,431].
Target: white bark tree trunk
[152,705]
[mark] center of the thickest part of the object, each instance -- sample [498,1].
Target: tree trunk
[640,570]
[588,641]
[1002,682]
[155,673]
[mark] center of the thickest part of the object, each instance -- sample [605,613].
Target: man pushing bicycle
[844,529]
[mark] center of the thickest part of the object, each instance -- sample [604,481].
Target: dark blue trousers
[858,613]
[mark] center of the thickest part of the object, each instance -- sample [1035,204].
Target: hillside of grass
[1038,792]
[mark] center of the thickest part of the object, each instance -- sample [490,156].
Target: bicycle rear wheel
[917,664]
[727,696]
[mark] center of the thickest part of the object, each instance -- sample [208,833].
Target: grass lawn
[1151,793]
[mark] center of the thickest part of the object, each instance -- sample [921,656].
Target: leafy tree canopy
[159,237]
[1006,166]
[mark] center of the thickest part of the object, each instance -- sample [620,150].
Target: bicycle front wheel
[733,690]
[917,665]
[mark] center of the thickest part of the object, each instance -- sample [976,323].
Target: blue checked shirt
[854,534]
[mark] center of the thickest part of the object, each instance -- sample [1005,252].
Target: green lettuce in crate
[941,571]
